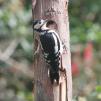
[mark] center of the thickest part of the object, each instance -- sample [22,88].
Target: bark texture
[55,10]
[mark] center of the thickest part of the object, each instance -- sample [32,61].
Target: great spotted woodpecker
[52,47]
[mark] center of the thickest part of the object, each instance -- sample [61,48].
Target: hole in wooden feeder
[51,24]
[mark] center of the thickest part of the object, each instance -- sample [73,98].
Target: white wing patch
[61,45]
[56,44]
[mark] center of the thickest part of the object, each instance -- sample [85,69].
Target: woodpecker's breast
[51,47]
[49,43]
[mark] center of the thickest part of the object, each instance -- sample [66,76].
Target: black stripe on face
[35,22]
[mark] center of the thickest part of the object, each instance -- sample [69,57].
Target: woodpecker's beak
[34,22]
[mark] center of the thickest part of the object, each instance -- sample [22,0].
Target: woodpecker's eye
[40,22]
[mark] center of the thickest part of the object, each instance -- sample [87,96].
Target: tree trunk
[55,10]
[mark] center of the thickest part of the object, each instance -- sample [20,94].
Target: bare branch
[10,49]
[18,66]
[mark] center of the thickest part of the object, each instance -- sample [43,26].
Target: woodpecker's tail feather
[54,61]
[54,76]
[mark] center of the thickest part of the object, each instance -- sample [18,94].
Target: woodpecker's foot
[62,70]
[62,75]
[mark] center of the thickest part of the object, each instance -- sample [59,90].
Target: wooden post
[56,10]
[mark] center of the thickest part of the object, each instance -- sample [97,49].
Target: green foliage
[16,25]
[96,94]
[85,20]
[85,25]
[98,88]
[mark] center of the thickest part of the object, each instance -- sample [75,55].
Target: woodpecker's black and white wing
[51,43]
[52,47]
[59,45]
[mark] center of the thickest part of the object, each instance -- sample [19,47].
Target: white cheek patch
[43,21]
[37,26]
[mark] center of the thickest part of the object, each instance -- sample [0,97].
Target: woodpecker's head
[43,25]
[38,24]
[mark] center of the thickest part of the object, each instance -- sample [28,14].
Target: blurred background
[16,50]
